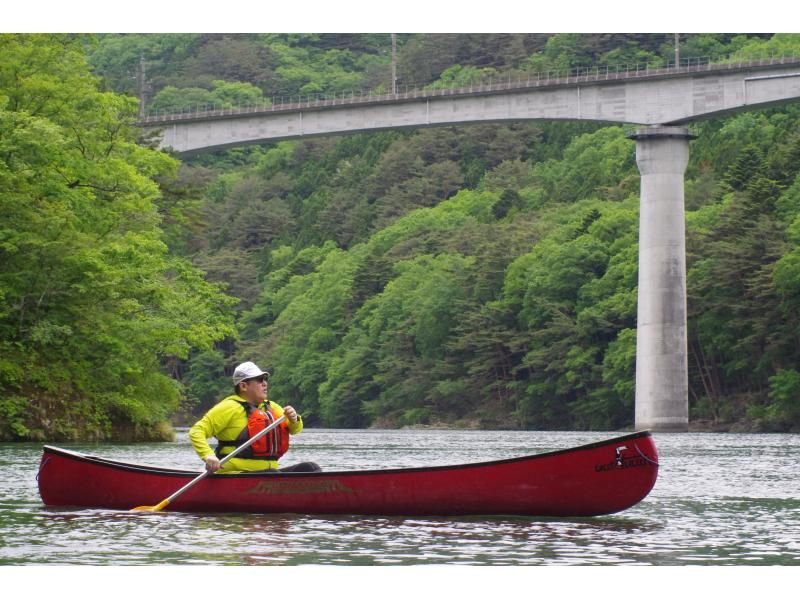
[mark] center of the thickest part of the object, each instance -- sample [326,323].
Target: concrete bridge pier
[662,385]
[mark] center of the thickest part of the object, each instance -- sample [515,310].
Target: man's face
[254,390]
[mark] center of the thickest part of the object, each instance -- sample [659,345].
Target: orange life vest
[271,446]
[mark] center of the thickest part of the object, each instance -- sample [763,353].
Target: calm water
[721,499]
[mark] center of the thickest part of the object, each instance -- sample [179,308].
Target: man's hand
[212,463]
[290,413]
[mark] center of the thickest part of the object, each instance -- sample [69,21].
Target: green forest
[472,276]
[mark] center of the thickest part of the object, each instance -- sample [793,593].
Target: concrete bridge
[663,100]
[646,96]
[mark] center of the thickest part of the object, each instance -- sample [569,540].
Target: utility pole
[677,50]
[394,64]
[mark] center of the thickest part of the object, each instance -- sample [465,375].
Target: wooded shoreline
[482,276]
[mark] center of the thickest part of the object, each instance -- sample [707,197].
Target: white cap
[245,371]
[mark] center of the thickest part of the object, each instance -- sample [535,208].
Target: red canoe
[594,479]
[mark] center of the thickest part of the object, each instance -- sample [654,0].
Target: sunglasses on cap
[262,378]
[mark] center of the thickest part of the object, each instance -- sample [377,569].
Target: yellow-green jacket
[225,421]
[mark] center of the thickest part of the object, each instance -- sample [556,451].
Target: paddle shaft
[224,460]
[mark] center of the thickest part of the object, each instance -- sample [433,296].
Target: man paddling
[240,416]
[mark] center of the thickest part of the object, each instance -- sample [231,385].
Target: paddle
[160,506]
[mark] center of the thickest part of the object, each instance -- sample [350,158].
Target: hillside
[482,275]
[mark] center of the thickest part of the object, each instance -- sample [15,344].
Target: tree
[92,302]
[222,95]
[233,58]
[562,52]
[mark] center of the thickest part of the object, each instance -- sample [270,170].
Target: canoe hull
[595,479]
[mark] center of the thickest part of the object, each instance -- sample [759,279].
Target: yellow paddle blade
[154,509]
